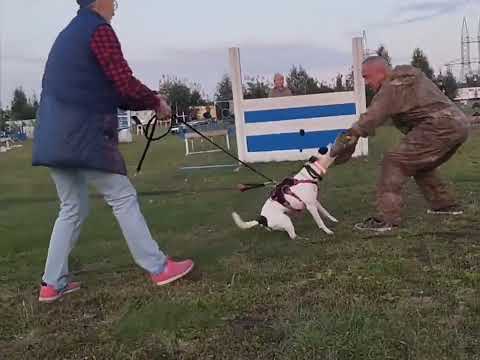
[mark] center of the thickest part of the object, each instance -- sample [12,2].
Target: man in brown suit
[434,129]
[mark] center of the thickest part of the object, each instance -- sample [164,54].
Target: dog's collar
[320,167]
[313,173]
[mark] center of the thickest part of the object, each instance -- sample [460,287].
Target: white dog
[294,195]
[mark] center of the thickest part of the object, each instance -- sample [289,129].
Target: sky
[190,39]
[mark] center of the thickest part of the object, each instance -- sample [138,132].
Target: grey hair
[376,60]
[278,74]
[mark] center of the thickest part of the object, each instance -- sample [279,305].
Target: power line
[466,61]
[1,53]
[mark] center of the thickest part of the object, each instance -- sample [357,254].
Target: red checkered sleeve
[108,51]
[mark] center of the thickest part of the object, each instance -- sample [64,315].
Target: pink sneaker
[173,271]
[49,294]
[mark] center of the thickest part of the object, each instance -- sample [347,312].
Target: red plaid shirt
[108,51]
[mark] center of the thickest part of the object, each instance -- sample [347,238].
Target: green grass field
[411,294]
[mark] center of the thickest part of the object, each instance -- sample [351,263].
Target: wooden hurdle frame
[293,128]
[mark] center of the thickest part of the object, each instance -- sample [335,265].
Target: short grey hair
[376,60]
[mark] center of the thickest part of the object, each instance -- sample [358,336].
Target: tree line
[183,94]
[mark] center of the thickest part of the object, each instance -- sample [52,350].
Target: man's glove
[344,147]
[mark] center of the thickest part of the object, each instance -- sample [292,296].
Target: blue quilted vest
[77,119]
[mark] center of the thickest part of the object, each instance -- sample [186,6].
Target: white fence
[295,127]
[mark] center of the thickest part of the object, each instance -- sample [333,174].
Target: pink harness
[282,189]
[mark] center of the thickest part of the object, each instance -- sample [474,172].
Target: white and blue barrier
[294,127]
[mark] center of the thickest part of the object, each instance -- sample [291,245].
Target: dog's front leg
[288,227]
[324,212]
[312,209]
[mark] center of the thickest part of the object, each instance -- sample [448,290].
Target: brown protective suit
[435,128]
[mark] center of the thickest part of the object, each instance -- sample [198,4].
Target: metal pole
[358,50]
[1,59]
[1,66]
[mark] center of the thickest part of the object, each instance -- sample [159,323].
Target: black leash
[149,135]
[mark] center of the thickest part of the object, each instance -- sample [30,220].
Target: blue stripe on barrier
[291,141]
[308,112]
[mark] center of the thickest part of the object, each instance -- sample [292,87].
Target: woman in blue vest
[86,80]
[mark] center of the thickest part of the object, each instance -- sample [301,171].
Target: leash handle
[145,151]
[149,135]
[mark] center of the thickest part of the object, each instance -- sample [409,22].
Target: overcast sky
[190,39]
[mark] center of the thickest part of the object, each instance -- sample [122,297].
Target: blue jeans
[118,192]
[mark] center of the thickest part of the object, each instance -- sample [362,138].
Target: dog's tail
[242,224]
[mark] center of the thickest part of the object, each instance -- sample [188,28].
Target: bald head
[376,61]
[375,70]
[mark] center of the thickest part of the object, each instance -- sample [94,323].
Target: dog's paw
[334,219]
[328,231]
